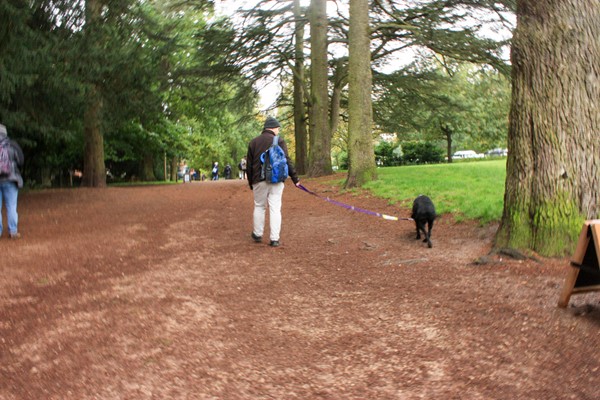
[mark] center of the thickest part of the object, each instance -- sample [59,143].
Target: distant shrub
[421,153]
[385,155]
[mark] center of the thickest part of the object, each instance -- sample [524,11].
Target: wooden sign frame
[584,275]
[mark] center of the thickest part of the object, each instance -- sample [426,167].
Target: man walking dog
[266,192]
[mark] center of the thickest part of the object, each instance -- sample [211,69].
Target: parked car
[463,154]
[497,152]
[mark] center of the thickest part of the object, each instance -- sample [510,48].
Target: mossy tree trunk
[361,157]
[553,167]
[319,163]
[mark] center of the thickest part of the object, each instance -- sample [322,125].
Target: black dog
[423,212]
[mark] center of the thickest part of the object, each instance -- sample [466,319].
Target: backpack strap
[275,140]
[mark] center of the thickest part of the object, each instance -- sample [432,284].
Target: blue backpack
[274,167]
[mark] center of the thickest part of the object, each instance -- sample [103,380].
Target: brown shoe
[14,236]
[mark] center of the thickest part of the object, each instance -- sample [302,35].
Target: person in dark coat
[266,192]
[215,171]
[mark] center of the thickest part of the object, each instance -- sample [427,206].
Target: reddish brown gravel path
[159,293]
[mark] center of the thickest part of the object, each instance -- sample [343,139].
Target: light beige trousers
[267,194]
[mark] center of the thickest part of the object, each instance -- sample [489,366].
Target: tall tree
[320,139]
[553,168]
[361,165]
[301,134]
[94,173]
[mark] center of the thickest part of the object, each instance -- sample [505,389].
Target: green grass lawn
[468,190]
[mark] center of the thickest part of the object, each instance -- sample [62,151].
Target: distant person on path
[228,171]
[215,171]
[11,160]
[242,167]
[264,192]
[183,169]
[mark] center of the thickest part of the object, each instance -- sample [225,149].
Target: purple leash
[352,208]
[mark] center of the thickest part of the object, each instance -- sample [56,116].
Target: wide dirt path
[159,293]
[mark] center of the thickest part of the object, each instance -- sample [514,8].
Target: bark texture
[553,170]
[361,159]
[320,138]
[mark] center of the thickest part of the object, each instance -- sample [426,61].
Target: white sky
[228,7]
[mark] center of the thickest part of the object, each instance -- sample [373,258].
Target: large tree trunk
[320,137]
[174,162]
[94,170]
[147,167]
[301,134]
[340,80]
[361,157]
[553,167]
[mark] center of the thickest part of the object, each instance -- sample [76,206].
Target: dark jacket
[259,145]
[16,156]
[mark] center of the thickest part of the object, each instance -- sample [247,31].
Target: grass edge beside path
[468,191]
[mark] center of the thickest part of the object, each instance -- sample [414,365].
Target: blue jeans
[9,192]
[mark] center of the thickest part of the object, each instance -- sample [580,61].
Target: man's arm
[291,169]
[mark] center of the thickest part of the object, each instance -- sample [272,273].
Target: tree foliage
[152,66]
[171,80]
[459,106]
